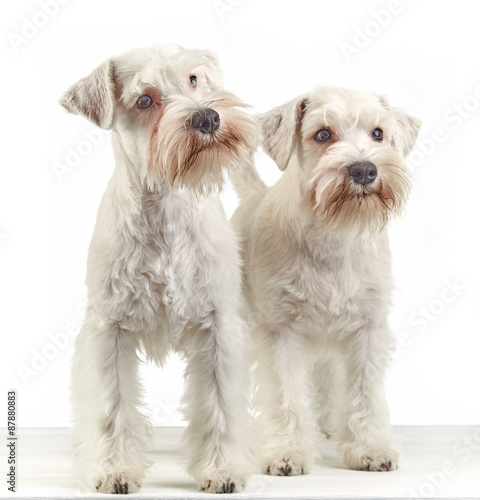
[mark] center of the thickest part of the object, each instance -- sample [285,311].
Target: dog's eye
[323,135]
[193,80]
[377,134]
[144,102]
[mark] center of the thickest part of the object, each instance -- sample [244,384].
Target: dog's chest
[187,235]
[173,223]
[338,277]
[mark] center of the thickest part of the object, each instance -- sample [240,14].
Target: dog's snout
[206,121]
[363,173]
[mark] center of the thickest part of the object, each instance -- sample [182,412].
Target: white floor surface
[436,462]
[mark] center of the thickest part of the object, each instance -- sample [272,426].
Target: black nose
[206,121]
[363,173]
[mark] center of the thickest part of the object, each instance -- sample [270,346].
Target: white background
[422,54]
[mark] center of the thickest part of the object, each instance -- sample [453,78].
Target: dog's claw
[120,483]
[286,466]
[120,489]
[228,488]
[223,483]
[374,461]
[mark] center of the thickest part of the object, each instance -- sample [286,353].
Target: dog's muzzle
[206,121]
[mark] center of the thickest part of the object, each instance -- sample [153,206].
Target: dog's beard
[343,205]
[187,158]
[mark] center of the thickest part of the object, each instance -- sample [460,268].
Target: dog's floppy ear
[406,134]
[93,96]
[214,73]
[279,130]
[406,130]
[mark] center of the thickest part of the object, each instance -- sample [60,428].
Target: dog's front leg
[365,440]
[216,406]
[286,427]
[110,430]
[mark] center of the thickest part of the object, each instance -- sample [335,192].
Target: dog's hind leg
[328,383]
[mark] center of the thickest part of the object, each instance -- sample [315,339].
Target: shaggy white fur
[163,267]
[317,275]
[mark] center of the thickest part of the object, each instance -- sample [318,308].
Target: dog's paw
[374,460]
[223,481]
[120,483]
[287,465]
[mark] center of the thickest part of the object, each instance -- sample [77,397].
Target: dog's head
[351,146]
[170,114]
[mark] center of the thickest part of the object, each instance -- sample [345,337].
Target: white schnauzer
[317,275]
[163,267]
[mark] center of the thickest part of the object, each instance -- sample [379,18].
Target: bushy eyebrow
[130,95]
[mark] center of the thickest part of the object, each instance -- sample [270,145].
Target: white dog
[317,275]
[163,267]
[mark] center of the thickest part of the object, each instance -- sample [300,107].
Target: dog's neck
[128,166]
[291,200]
[152,207]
